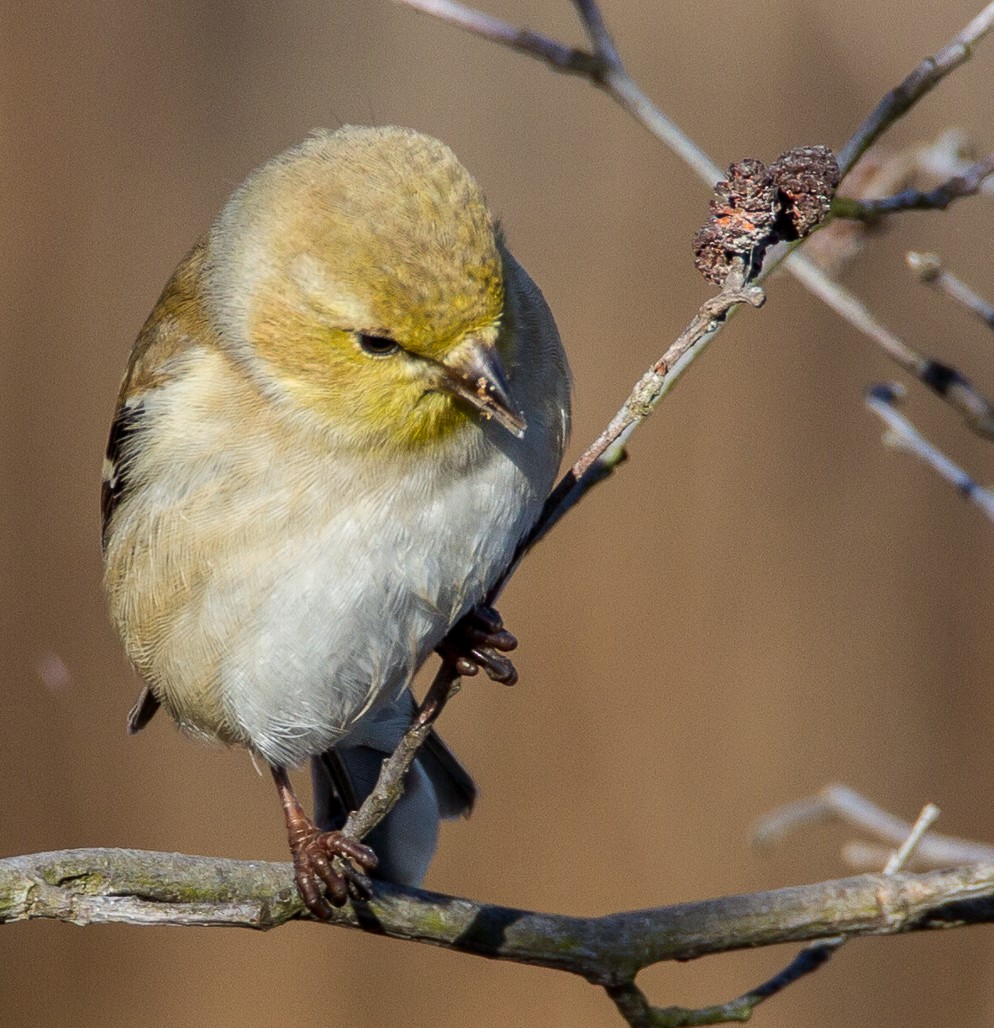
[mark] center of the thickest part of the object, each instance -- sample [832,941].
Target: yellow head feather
[364,232]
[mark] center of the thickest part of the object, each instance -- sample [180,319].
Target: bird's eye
[376,346]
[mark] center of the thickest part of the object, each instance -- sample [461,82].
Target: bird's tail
[437,787]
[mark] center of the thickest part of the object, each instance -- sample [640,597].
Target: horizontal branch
[968,183]
[101,886]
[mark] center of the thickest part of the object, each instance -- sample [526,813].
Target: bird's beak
[474,372]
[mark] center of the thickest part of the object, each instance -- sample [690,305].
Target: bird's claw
[314,861]
[479,641]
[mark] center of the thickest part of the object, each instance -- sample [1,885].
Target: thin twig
[597,31]
[942,379]
[925,77]
[612,76]
[902,435]
[593,466]
[558,55]
[607,450]
[928,268]
[390,784]
[838,802]
[937,199]
[902,854]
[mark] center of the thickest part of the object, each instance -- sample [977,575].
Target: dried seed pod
[757,206]
[743,213]
[807,176]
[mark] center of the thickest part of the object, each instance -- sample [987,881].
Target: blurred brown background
[764,600]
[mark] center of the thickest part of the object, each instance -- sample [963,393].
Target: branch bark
[103,886]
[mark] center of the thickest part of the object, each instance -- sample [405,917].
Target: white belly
[344,611]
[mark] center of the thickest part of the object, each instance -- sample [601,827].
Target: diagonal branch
[607,450]
[592,467]
[928,267]
[902,435]
[604,68]
[924,78]
[941,378]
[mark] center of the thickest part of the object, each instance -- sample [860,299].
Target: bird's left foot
[479,641]
[321,882]
[314,853]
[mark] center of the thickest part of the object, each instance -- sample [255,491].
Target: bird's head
[360,275]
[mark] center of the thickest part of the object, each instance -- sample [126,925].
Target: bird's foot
[332,859]
[314,864]
[479,641]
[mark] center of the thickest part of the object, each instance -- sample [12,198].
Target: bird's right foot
[480,641]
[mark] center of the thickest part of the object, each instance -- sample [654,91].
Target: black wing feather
[115,483]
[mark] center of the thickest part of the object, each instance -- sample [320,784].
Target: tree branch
[902,435]
[928,268]
[593,466]
[941,378]
[635,1007]
[937,199]
[924,78]
[840,803]
[604,68]
[103,886]
[128,886]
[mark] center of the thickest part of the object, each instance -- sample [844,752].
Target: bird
[337,425]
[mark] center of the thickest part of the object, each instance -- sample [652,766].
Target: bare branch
[390,784]
[607,451]
[593,466]
[838,802]
[900,856]
[597,31]
[100,886]
[902,435]
[937,199]
[634,1005]
[609,73]
[809,960]
[928,268]
[559,55]
[929,73]
[605,70]
[941,378]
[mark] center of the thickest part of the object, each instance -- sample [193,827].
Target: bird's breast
[272,591]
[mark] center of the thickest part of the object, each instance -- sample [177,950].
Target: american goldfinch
[341,417]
